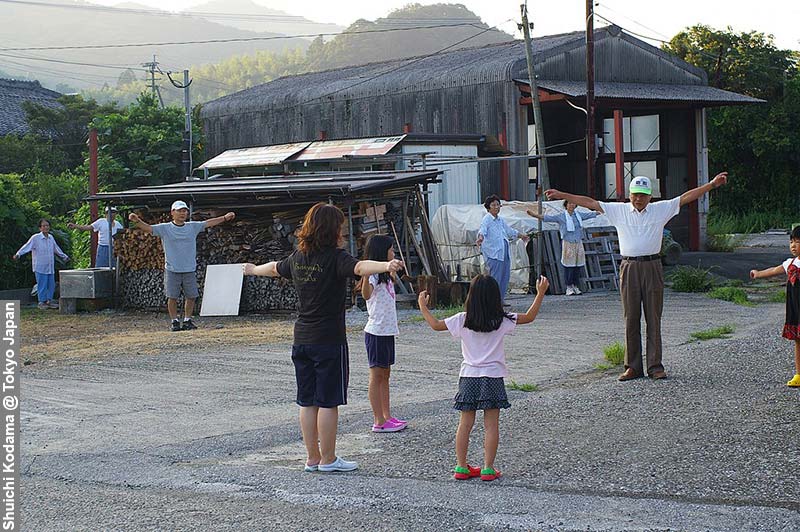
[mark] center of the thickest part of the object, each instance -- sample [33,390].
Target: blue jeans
[45,286]
[101,259]
[501,271]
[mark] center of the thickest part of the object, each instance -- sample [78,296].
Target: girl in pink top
[480,384]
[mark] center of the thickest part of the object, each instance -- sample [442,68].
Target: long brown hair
[321,226]
[484,306]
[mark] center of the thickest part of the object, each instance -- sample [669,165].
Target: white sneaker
[338,465]
[570,291]
[576,290]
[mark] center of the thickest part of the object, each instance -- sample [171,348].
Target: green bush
[690,279]
[19,219]
[732,294]
[614,353]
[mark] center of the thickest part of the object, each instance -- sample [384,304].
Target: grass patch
[750,222]
[614,353]
[731,293]
[725,243]
[777,297]
[690,279]
[603,367]
[525,387]
[711,334]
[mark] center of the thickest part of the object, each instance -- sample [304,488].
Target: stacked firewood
[143,288]
[137,250]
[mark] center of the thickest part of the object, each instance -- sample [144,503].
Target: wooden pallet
[601,271]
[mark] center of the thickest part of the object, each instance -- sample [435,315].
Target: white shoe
[576,290]
[570,291]
[337,465]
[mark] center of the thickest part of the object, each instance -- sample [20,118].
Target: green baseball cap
[641,185]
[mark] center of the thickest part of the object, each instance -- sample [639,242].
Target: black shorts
[322,373]
[380,350]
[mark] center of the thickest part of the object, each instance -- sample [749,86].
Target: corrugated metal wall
[460,182]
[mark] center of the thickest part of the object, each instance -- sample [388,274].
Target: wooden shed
[659,99]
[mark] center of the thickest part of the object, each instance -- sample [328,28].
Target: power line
[96,65]
[234,39]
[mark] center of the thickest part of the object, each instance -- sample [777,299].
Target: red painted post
[619,154]
[93,188]
[504,171]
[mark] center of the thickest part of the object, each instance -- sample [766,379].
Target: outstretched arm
[583,201]
[80,227]
[269,269]
[535,214]
[227,217]
[541,287]
[368,267]
[138,223]
[436,324]
[696,193]
[769,272]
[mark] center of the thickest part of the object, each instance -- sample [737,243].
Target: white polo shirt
[640,233]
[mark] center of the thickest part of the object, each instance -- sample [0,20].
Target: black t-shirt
[321,282]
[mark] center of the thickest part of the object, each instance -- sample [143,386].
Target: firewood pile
[260,235]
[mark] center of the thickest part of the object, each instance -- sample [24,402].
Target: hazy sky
[659,19]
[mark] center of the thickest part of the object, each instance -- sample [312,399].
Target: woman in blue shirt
[493,237]
[573,257]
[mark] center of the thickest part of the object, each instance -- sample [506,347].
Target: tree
[758,144]
[141,144]
[67,125]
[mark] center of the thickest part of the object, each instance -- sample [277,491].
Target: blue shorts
[322,373]
[380,350]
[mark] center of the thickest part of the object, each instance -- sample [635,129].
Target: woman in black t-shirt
[320,269]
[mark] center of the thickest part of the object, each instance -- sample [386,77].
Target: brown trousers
[642,286]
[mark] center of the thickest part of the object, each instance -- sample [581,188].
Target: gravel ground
[198,439]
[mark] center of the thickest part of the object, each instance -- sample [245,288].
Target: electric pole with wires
[152,68]
[186,153]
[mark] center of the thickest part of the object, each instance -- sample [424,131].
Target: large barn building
[658,99]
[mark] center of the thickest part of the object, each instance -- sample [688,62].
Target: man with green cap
[640,226]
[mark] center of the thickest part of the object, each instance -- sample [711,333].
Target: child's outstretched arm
[769,272]
[436,325]
[269,269]
[541,287]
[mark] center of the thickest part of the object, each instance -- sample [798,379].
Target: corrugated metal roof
[260,156]
[470,65]
[275,190]
[647,91]
[334,149]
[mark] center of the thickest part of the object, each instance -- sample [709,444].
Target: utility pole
[93,189]
[186,152]
[542,175]
[152,67]
[590,143]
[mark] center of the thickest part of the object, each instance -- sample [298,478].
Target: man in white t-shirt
[104,236]
[640,226]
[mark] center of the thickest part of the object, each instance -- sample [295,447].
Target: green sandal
[466,473]
[489,474]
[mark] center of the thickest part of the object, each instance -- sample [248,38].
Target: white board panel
[223,290]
